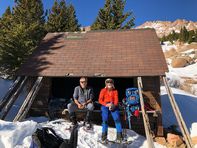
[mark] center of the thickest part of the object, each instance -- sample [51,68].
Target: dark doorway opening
[64,87]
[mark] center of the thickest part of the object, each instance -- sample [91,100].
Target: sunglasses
[109,82]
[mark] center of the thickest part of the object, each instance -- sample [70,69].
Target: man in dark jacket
[83,99]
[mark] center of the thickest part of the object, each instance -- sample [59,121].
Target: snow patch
[194,130]
[167,46]
[16,134]
[187,104]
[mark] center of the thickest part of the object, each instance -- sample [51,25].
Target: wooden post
[178,115]
[29,100]
[145,117]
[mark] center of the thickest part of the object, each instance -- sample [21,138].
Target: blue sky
[144,10]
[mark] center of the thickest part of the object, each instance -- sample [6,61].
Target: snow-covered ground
[19,134]
[178,76]
[187,104]
[167,46]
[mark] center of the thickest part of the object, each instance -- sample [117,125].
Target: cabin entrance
[64,87]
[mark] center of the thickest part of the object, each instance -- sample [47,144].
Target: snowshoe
[88,127]
[70,128]
[123,142]
[103,142]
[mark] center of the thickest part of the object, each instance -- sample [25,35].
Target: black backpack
[49,139]
[72,142]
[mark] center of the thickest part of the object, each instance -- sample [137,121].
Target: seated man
[83,96]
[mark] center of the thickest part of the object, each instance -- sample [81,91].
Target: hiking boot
[119,137]
[73,119]
[104,137]
[88,117]
[74,122]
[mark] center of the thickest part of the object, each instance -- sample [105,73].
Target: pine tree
[5,27]
[119,17]
[104,18]
[184,35]
[112,16]
[72,20]
[62,18]
[26,31]
[57,18]
[191,37]
[5,21]
[195,36]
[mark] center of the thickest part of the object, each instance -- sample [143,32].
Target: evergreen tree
[174,35]
[5,27]
[72,20]
[112,16]
[57,18]
[184,35]
[191,37]
[195,36]
[5,21]
[62,18]
[104,18]
[119,17]
[25,32]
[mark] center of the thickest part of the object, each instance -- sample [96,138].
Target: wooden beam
[10,92]
[29,100]
[145,116]
[12,99]
[178,115]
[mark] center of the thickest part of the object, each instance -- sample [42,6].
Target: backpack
[72,142]
[132,100]
[131,104]
[49,139]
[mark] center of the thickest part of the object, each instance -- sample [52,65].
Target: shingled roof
[135,52]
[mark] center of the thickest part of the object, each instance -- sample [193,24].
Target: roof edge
[105,30]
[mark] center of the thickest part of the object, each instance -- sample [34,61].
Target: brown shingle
[134,52]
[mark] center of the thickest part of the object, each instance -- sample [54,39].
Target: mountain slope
[166,27]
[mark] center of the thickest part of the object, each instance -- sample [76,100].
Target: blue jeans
[116,117]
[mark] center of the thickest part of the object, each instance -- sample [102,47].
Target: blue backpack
[132,99]
[131,103]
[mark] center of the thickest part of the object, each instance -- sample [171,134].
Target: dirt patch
[179,62]
[188,85]
[170,53]
[182,48]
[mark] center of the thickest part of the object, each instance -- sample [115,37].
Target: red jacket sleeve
[101,97]
[116,98]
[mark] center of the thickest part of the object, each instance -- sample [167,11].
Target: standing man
[83,99]
[108,98]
